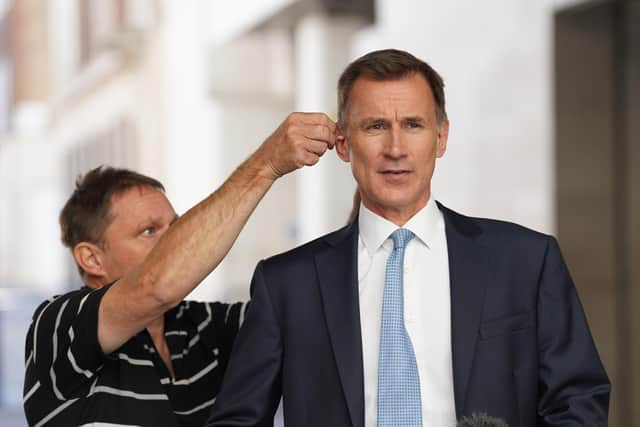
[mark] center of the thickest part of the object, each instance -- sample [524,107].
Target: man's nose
[395,146]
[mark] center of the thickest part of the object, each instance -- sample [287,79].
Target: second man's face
[392,141]
[141,215]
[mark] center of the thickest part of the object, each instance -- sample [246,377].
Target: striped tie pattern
[398,380]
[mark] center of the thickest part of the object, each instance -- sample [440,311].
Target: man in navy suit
[490,321]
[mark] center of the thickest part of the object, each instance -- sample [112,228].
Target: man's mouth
[395,172]
[395,176]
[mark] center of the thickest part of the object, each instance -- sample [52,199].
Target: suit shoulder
[510,229]
[495,229]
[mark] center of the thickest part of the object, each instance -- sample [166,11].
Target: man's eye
[149,231]
[375,126]
[413,125]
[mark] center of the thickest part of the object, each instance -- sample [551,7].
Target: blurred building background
[543,98]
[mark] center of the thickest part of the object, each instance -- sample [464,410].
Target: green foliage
[481,420]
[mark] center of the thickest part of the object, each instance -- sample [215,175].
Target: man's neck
[156,331]
[399,216]
[156,328]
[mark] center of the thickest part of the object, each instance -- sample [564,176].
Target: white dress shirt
[427,308]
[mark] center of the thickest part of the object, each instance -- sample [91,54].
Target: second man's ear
[342,145]
[89,257]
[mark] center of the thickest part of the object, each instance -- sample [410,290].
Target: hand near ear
[300,140]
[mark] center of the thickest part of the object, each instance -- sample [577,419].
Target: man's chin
[400,205]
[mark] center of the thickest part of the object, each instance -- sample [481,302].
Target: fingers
[300,140]
[316,147]
[315,119]
[321,133]
[316,126]
[310,159]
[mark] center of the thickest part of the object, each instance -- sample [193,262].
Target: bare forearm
[198,241]
[190,249]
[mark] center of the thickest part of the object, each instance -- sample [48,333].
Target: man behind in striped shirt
[126,349]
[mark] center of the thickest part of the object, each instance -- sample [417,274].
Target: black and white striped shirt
[70,382]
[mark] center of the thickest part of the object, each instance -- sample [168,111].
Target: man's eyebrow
[154,221]
[371,119]
[413,119]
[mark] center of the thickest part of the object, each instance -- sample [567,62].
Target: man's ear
[342,145]
[90,258]
[443,136]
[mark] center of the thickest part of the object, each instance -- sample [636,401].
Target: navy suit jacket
[521,347]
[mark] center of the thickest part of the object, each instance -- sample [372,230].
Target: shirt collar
[374,229]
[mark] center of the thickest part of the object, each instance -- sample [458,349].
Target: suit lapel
[469,276]
[336,264]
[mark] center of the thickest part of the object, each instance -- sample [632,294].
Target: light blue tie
[398,380]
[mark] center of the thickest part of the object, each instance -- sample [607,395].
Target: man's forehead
[412,95]
[367,88]
[415,79]
[138,200]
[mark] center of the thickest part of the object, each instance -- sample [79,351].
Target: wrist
[262,165]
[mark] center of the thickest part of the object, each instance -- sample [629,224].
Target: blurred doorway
[597,133]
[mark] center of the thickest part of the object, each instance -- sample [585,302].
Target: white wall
[225,20]
[30,250]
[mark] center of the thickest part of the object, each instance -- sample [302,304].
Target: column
[322,49]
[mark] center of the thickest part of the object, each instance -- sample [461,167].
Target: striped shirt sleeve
[62,350]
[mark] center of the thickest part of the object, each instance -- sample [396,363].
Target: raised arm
[196,243]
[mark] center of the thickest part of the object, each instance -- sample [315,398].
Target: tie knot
[401,237]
